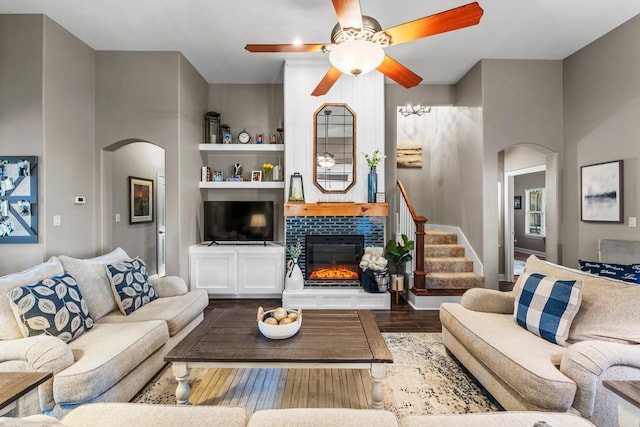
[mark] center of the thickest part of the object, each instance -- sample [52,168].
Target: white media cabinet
[238,270]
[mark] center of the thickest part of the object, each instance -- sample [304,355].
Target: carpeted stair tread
[448,264]
[465,280]
[448,250]
[435,237]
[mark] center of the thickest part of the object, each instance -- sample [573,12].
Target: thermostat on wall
[80,200]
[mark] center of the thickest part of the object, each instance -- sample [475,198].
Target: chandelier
[409,110]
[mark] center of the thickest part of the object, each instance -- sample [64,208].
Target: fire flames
[334,273]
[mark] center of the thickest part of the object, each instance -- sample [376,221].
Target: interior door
[161,258]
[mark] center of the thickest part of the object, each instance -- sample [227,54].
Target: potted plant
[398,254]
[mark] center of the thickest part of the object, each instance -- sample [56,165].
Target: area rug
[423,379]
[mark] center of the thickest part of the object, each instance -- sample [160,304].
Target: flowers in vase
[266,169]
[295,250]
[374,158]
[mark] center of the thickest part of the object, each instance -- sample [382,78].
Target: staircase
[448,271]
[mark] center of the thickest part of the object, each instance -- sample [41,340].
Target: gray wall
[256,108]
[142,96]
[193,106]
[22,116]
[522,103]
[520,184]
[601,110]
[69,127]
[47,110]
[413,179]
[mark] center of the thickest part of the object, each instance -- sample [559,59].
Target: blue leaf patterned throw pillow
[547,306]
[130,285]
[53,306]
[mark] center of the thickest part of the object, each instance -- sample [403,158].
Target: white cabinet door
[261,272]
[214,270]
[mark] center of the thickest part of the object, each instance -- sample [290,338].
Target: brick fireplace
[349,223]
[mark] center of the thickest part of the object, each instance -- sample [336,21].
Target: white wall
[363,94]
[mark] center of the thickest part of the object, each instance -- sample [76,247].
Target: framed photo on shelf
[256,176]
[227,138]
[218,175]
[273,138]
[140,200]
[260,138]
[517,202]
[601,190]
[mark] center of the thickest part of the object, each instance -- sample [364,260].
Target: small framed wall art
[140,200]
[517,202]
[601,192]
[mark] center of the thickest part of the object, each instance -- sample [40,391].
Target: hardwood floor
[401,318]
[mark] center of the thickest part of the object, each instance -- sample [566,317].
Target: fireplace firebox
[333,258]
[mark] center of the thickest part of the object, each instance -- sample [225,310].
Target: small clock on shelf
[244,137]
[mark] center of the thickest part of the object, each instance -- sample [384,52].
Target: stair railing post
[419,273]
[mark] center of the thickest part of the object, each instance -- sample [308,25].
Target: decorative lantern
[212,133]
[296,190]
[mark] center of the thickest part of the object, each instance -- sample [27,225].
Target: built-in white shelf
[242,148]
[242,185]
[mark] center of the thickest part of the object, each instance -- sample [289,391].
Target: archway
[138,159]
[521,159]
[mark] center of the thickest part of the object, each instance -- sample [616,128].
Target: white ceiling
[212,34]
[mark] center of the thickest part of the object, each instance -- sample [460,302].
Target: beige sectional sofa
[118,355]
[526,372]
[125,415]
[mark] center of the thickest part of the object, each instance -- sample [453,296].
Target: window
[534,215]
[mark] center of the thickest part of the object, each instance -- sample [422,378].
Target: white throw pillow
[93,280]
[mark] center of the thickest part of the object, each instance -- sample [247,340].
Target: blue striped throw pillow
[547,306]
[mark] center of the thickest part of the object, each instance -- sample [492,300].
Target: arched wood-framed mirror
[334,147]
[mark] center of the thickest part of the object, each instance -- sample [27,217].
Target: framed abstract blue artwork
[18,199]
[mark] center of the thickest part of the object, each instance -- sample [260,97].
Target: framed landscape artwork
[140,200]
[409,154]
[18,199]
[601,192]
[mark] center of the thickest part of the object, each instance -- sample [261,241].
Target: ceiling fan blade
[327,81]
[268,48]
[398,72]
[348,13]
[454,19]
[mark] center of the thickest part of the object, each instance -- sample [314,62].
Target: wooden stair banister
[419,221]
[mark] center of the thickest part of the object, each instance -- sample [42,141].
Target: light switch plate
[632,222]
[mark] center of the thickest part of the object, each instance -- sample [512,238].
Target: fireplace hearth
[333,259]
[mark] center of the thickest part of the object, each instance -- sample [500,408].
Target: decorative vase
[372,185]
[397,282]
[294,281]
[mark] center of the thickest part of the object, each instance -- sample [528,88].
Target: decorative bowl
[278,332]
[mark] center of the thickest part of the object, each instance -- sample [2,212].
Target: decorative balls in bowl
[279,323]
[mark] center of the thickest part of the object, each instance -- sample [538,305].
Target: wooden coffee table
[227,338]
[15,389]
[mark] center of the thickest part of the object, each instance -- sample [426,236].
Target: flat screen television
[238,221]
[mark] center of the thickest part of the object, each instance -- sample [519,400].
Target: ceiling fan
[357,41]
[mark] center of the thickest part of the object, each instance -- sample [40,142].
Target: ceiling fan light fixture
[327,160]
[356,57]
